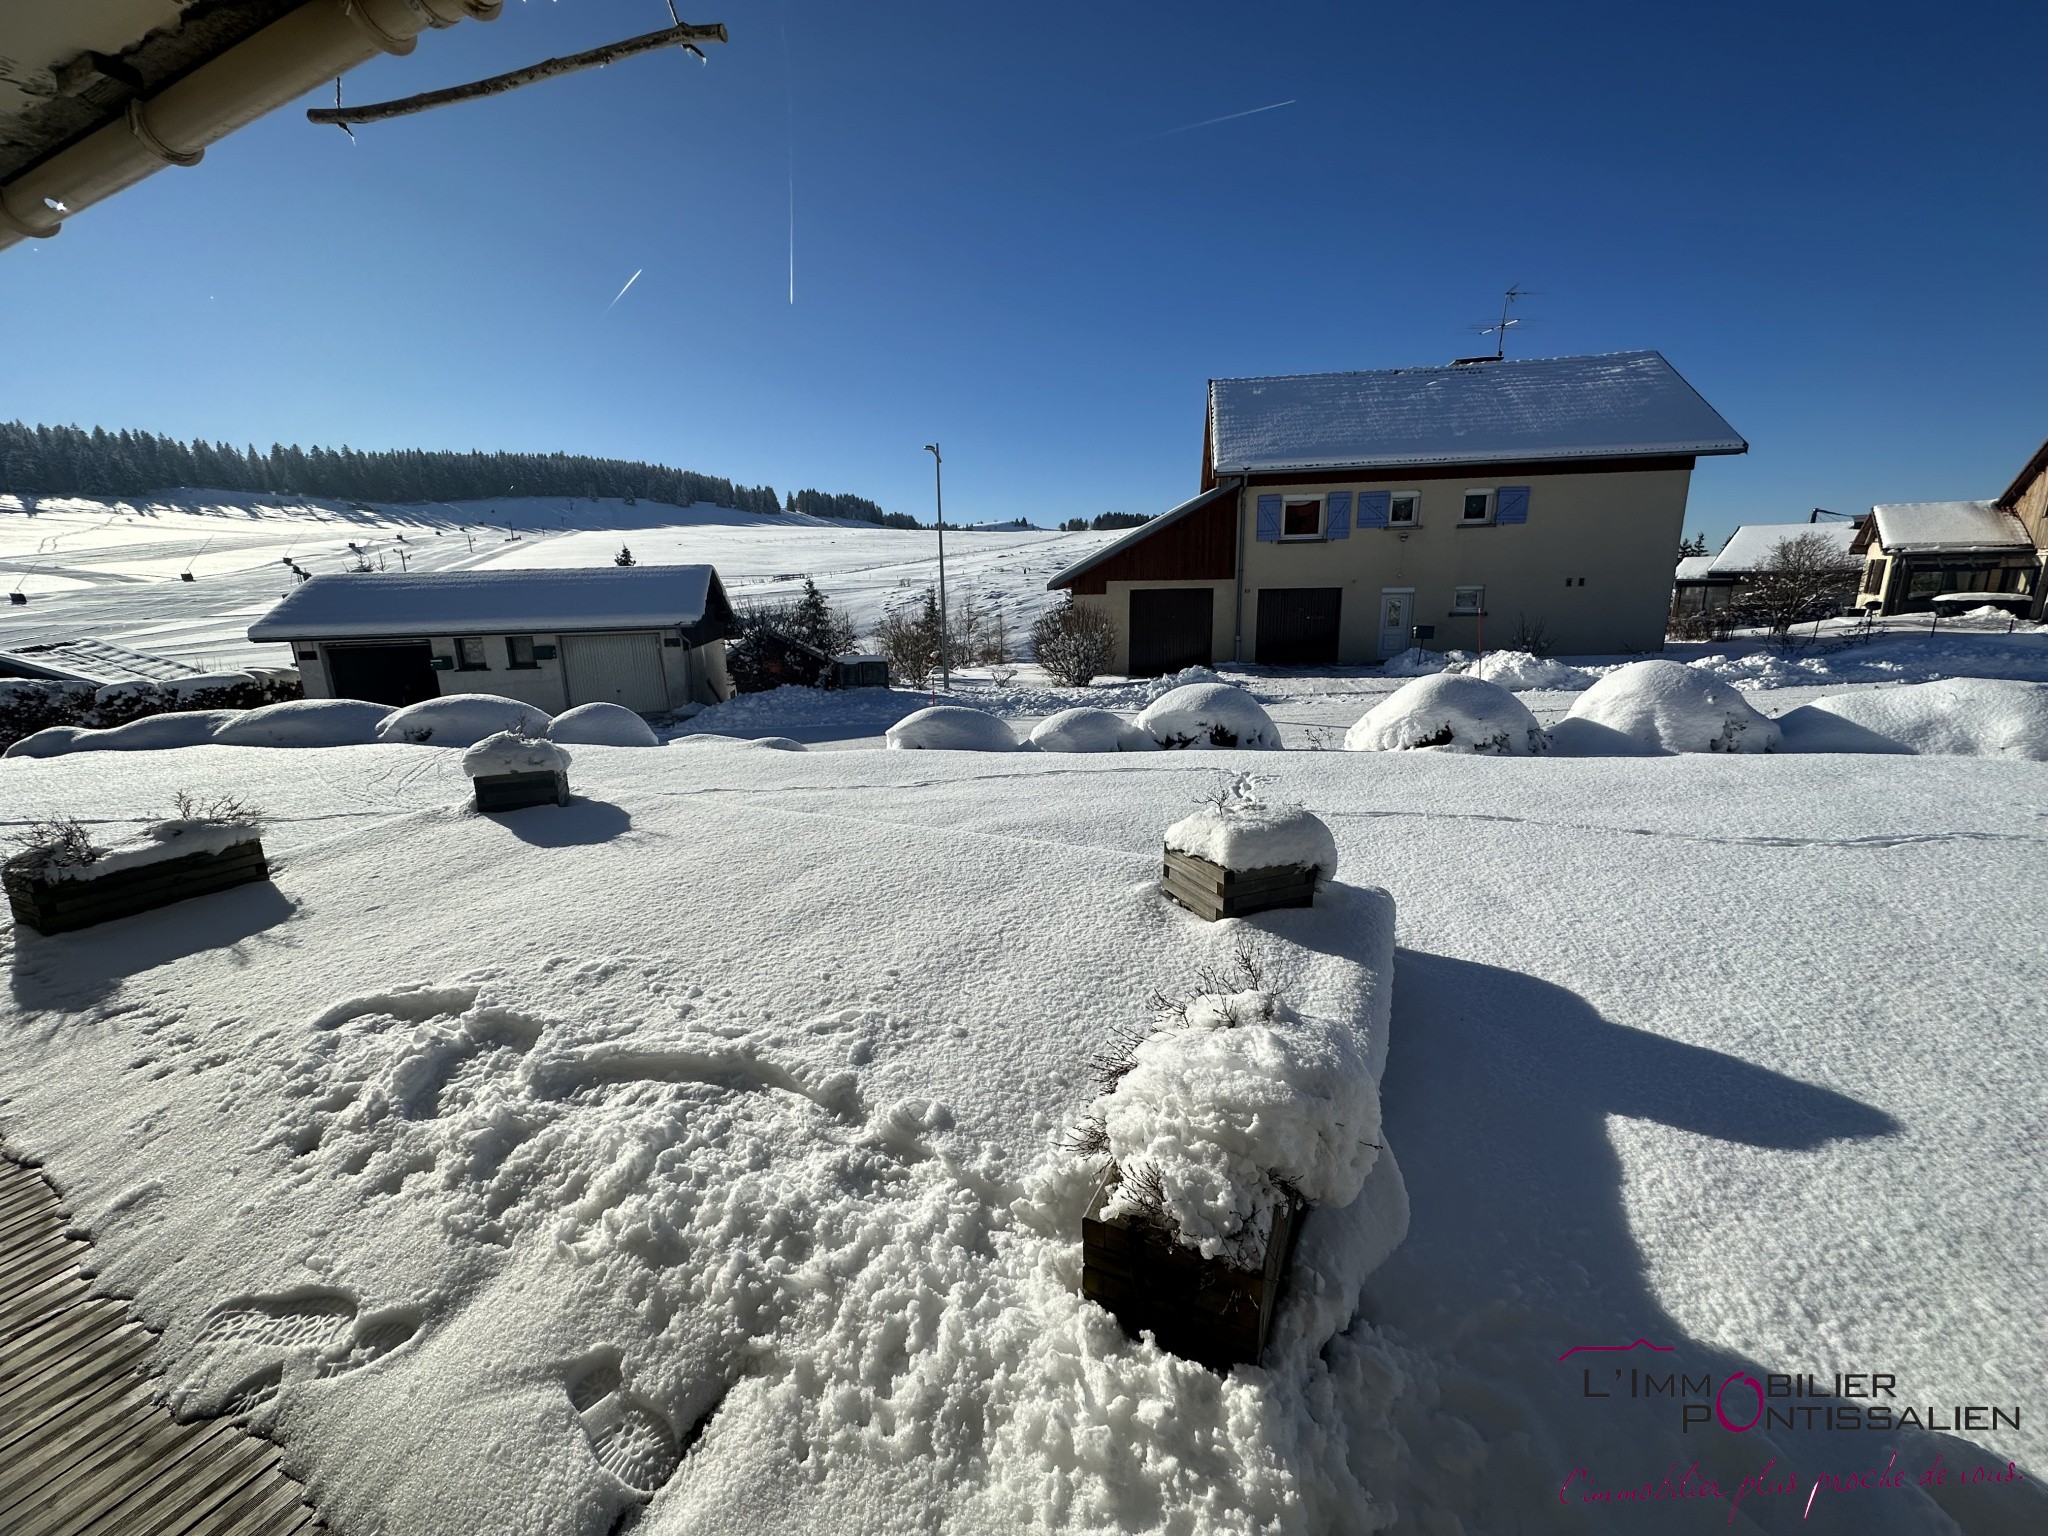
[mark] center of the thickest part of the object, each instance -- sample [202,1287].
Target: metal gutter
[302,49]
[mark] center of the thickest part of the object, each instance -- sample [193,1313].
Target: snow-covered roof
[1749,547]
[370,604]
[1695,568]
[1939,525]
[1614,405]
[90,661]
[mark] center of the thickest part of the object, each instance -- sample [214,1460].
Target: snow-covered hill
[111,568]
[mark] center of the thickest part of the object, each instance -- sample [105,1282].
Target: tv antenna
[1500,328]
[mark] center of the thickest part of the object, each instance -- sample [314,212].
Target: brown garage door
[1170,629]
[1298,625]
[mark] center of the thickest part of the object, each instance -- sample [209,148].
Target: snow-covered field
[110,568]
[690,1158]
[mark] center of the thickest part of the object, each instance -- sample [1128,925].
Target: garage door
[1298,625]
[616,669]
[1170,629]
[397,674]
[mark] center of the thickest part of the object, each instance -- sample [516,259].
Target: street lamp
[939,496]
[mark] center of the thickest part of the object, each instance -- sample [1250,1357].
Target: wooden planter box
[516,791]
[1211,891]
[58,906]
[1203,1310]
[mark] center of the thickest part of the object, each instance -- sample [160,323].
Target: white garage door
[616,669]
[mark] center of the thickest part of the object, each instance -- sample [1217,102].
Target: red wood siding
[1200,547]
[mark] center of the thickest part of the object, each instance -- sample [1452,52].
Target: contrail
[622,292]
[789,102]
[1210,122]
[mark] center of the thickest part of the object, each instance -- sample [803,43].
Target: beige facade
[672,675]
[1591,565]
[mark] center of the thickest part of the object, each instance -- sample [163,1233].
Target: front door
[616,669]
[1397,621]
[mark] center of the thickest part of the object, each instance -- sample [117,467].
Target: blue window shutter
[1338,525]
[1511,504]
[1269,519]
[1373,507]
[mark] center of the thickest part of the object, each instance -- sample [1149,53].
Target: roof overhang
[1352,469]
[1143,531]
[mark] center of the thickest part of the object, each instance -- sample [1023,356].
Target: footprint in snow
[630,1439]
[323,1329]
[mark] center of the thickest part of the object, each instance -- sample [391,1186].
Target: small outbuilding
[1916,551]
[649,637]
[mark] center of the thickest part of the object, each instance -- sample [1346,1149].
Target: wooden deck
[84,1445]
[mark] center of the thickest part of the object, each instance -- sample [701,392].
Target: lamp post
[939,497]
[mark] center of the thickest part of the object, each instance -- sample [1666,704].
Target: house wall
[1619,530]
[693,674]
[543,685]
[2030,506]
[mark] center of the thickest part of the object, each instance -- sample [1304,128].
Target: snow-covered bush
[1159,687]
[461,720]
[514,752]
[951,728]
[1090,730]
[1415,662]
[1075,642]
[1677,708]
[1520,671]
[602,725]
[51,741]
[1572,737]
[1450,710]
[28,707]
[304,723]
[1239,831]
[1957,717]
[1233,1105]
[185,728]
[1209,715]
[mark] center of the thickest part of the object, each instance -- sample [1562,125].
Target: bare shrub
[54,841]
[1531,635]
[1076,644]
[1803,578]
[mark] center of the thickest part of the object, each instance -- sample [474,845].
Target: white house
[650,637]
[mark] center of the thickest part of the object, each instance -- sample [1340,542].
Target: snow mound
[1415,662]
[1239,831]
[1960,717]
[305,723]
[511,752]
[778,744]
[1090,730]
[1589,738]
[1159,687]
[1450,710]
[602,725]
[461,720]
[1209,715]
[187,728]
[52,741]
[1809,729]
[1239,1096]
[1520,671]
[951,728]
[1678,708]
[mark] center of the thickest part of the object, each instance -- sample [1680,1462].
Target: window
[519,652]
[469,655]
[1405,509]
[1873,576]
[1468,600]
[1478,507]
[1302,519]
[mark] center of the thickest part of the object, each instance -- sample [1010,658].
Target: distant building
[90,661]
[1915,551]
[650,637]
[1344,517]
[1704,583]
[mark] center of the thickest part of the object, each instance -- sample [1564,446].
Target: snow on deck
[731,1099]
[1616,404]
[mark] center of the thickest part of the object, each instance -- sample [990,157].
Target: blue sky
[1829,217]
